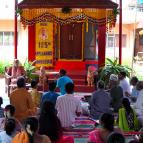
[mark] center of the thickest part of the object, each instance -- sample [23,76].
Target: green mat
[80,140]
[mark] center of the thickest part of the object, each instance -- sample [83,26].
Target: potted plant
[29,68]
[112,67]
[3,66]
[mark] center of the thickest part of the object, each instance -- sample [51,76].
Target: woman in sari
[100,135]
[15,71]
[30,135]
[127,118]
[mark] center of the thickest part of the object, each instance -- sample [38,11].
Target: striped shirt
[67,106]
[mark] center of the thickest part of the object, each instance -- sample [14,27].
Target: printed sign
[44,44]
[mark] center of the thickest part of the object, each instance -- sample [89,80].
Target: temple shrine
[69,34]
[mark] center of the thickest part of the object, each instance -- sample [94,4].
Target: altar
[67,34]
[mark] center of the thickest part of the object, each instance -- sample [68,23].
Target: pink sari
[65,139]
[94,137]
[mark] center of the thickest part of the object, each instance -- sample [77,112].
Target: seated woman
[127,118]
[9,112]
[50,125]
[15,71]
[43,80]
[100,135]
[35,94]
[30,134]
[9,131]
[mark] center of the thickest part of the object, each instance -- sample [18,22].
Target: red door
[71,41]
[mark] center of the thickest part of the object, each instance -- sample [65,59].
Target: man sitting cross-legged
[100,101]
[21,99]
[68,106]
[51,95]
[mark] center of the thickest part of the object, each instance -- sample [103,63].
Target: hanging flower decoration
[66,10]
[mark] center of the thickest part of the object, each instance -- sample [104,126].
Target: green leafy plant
[112,67]
[116,11]
[29,68]
[3,65]
[18,11]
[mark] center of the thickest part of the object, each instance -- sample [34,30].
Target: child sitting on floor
[36,96]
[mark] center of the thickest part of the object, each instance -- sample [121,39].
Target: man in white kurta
[124,83]
[68,106]
[139,103]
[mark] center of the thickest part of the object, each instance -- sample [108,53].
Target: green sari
[123,123]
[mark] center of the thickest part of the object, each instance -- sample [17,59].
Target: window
[6,38]
[113,40]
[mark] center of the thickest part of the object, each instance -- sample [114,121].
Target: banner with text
[44,44]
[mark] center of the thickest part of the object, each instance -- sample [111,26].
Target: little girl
[90,75]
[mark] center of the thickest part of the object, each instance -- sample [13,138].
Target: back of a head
[31,124]
[134,79]
[49,123]
[114,77]
[100,84]
[11,109]
[52,86]
[62,72]
[115,138]
[34,83]
[1,100]
[123,73]
[21,82]
[47,108]
[31,127]
[107,121]
[10,125]
[126,102]
[69,87]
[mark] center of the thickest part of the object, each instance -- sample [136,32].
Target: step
[84,88]
[76,81]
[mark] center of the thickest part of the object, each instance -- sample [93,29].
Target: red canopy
[108,4]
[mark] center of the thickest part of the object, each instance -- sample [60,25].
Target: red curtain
[101,45]
[31,42]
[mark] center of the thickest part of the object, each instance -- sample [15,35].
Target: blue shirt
[134,92]
[61,82]
[49,96]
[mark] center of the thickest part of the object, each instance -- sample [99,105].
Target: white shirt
[67,105]
[4,138]
[124,83]
[139,103]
